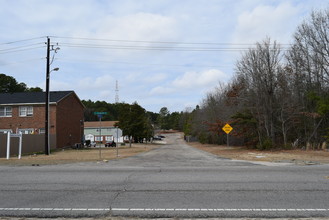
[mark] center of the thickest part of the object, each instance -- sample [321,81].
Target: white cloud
[59,85]
[191,82]
[199,80]
[155,78]
[107,95]
[277,22]
[138,26]
[161,90]
[101,82]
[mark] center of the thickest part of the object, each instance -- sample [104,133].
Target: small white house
[102,131]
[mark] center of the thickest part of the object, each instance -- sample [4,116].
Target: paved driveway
[176,154]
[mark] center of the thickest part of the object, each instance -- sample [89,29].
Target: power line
[160,48]
[136,63]
[18,41]
[19,50]
[164,45]
[14,48]
[137,47]
[21,61]
[156,42]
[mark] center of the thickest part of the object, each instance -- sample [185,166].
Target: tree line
[134,120]
[9,84]
[277,98]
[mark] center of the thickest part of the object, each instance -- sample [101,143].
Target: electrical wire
[18,41]
[21,61]
[15,48]
[156,42]
[152,45]
[137,45]
[121,47]
[134,63]
[19,50]
[158,48]
[143,47]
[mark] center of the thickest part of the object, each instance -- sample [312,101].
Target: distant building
[25,113]
[102,132]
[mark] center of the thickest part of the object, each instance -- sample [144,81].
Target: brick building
[25,112]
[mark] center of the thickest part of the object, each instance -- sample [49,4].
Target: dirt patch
[301,157]
[76,156]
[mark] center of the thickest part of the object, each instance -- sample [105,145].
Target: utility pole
[47,99]
[47,137]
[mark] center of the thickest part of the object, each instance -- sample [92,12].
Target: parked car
[89,143]
[110,144]
[157,138]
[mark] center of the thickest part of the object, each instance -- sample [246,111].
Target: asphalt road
[174,180]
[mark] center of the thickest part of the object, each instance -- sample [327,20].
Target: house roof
[32,97]
[97,124]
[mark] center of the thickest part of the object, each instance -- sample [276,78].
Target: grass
[81,155]
[242,153]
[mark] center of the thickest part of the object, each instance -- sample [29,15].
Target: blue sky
[162,52]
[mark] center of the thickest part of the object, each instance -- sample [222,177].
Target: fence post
[20,146]
[8,145]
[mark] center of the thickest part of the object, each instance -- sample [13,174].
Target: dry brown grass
[241,153]
[76,156]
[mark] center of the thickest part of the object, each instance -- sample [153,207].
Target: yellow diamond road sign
[227,128]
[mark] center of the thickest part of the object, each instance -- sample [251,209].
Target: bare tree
[259,67]
[308,59]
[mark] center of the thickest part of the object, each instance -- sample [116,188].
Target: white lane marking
[119,209]
[165,210]
[218,210]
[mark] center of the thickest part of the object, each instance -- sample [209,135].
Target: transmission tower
[116,91]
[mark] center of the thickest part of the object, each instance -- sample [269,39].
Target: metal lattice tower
[116,91]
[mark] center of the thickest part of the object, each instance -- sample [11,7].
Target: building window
[6,111]
[25,111]
[98,138]
[109,138]
[26,131]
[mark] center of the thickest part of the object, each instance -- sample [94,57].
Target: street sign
[227,128]
[100,113]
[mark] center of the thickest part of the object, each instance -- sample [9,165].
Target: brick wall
[69,116]
[36,121]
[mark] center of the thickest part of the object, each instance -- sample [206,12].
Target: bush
[265,145]
[202,137]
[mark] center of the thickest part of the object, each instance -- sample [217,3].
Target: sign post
[117,145]
[227,129]
[9,135]
[100,115]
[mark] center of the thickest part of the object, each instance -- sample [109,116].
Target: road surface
[174,180]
